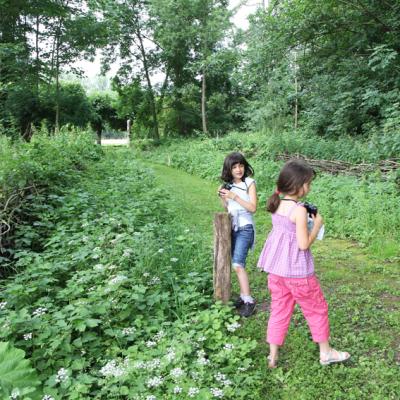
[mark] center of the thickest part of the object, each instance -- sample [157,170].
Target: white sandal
[333,356]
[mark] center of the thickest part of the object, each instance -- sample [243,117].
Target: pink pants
[307,293]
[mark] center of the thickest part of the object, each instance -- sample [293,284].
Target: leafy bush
[17,378]
[360,209]
[31,176]
[119,302]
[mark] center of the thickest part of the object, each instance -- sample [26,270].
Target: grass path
[363,292]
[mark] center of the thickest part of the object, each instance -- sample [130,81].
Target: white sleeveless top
[241,216]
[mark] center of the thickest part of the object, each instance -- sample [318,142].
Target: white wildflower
[47,397]
[202,339]
[203,361]
[155,381]
[217,392]
[170,356]
[174,259]
[99,267]
[177,390]
[229,346]
[159,335]
[193,391]
[242,369]
[155,280]
[177,372]
[151,397]
[151,343]
[127,253]
[112,369]
[219,377]
[161,250]
[128,331]
[3,305]
[15,394]
[146,274]
[153,364]
[139,365]
[195,375]
[62,375]
[28,336]
[117,279]
[232,327]
[39,312]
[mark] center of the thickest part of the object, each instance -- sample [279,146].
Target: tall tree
[131,41]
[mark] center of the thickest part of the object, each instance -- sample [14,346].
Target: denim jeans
[242,241]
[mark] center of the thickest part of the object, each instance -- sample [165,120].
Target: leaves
[16,372]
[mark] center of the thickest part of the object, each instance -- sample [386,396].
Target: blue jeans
[242,241]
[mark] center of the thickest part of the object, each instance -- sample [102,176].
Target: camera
[311,209]
[227,186]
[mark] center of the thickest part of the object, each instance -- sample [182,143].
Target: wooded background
[330,67]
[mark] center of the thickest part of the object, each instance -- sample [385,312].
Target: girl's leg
[309,296]
[315,310]
[243,281]
[282,306]
[241,242]
[273,355]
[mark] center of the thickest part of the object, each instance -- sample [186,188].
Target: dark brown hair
[232,159]
[294,174]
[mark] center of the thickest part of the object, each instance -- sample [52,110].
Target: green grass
[361,286]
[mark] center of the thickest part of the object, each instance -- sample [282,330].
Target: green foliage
[349,204]
[31,176]
[17,378]
[339,60]
[129,301]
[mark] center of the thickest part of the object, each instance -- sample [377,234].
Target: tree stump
[222,257]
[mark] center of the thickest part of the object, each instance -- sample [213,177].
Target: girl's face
[237,171]
[305,189]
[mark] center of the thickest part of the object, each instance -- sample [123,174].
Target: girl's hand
[227,194]
[318,221]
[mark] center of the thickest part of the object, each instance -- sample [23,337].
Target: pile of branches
[342,167]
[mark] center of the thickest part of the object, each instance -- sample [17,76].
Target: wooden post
[222,257]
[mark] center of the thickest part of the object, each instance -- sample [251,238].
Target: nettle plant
[117,288]
[201,359]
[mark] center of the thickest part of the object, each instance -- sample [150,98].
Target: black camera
[227,186]
[311,209]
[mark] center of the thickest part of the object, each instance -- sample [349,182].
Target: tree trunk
[222,257]
[37,55]
[57,121]
[152,99]
[203,102]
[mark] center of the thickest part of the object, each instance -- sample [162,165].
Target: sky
[91,69]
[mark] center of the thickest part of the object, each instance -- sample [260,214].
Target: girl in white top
[239,197]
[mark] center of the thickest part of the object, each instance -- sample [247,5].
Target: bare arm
[304,238]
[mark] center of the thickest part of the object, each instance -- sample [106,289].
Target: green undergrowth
[362,209]
[363,296]
[118,305]
[32,176]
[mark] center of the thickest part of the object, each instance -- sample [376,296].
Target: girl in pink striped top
[287,258]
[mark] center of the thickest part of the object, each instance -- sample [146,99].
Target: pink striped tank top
[281,254]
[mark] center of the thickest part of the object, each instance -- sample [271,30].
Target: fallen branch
[342,167]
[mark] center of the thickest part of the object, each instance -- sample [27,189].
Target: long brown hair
[232,159]
[294,174]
